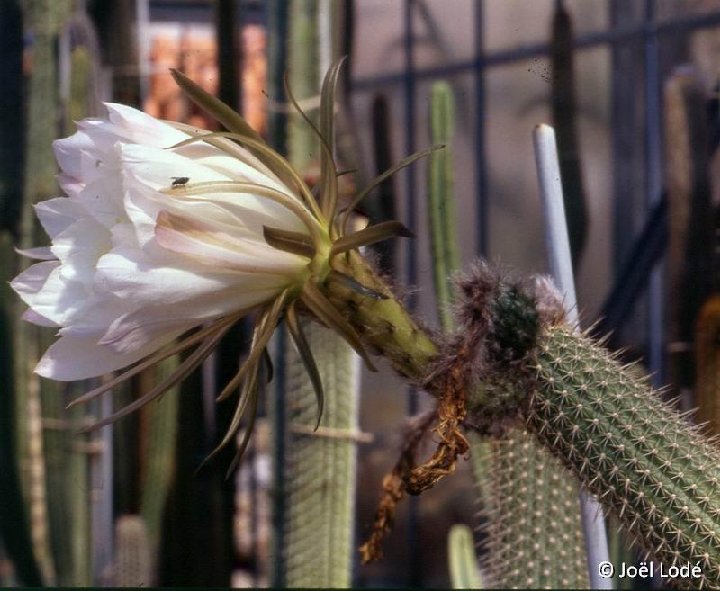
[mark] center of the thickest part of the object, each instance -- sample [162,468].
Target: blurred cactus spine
[319,474]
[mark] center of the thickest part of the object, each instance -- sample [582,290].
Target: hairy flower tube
[169,234]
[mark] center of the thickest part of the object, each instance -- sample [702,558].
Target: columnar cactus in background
[533,537]
[530,512]
[319,465]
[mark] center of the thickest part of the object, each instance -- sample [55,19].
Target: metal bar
[277,25]
[653,189]
[481,181]
[411,220]
[228,51]
[558,252]
[635,270]
[535,50]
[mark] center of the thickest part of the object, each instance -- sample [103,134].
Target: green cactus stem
[533,534]
[657,473]
[383,323]
[441,201]
[44,18]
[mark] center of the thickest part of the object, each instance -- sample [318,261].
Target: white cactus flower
[166,228]
[137,258]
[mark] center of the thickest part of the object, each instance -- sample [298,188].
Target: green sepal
[370,235]
[328,171]
[303,348]
[288,241]
[263,332]
[319,305]
[223,113]
[381,178]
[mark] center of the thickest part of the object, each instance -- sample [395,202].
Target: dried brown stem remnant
[394,489]
[405,476]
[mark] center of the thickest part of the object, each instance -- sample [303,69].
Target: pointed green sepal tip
[305,352]
[213,106]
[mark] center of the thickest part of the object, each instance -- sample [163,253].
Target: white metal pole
[558,252]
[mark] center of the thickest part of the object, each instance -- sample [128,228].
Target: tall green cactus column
[319,475]
[320,485]
[44,19]
[14,525]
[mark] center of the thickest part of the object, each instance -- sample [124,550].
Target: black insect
[179,181]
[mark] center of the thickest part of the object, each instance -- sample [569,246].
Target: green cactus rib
[657,473]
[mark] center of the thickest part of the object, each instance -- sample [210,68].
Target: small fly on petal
[179,181]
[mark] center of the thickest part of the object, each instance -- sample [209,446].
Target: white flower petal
[139,263]
[127,275]
[42,287]
[76,155]
[78,358]
[135,330]
[102,198]
[79,247]
[41,253]
[57,214]
[153,169]
[32,279]
[216,245]
[30,315]
[138,127]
